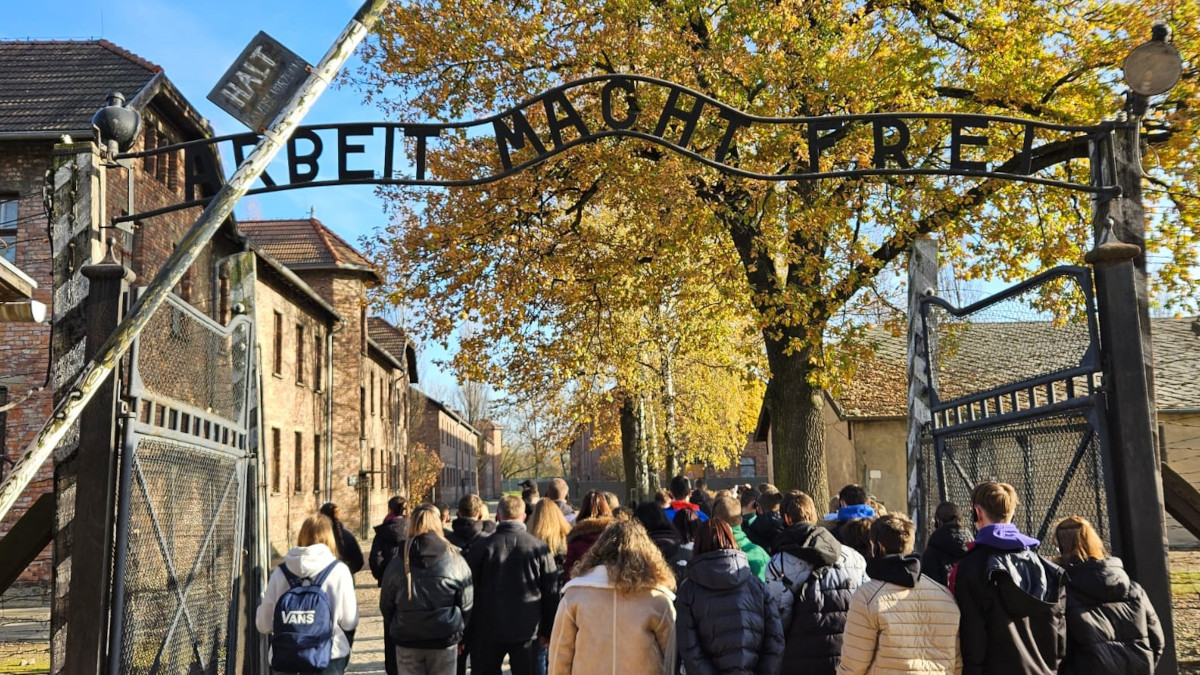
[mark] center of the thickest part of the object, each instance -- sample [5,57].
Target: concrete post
[922,281]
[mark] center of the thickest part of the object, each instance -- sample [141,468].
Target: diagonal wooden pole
[189,249]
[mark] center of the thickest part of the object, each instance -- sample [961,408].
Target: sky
[195,42]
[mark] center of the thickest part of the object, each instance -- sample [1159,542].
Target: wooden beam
[26,539]
[1182,500]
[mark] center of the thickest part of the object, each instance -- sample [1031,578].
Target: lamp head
[118,124]
[1154,67]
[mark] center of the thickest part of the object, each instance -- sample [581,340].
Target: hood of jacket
[1100,580]
[855,511]
[393,531]
[808,542]
[427,549]
[896,569]
[597,577]
[951,540]
[589,527]
[308,561]
[1027,583]
[1004,536]
[466,529]
[719,570]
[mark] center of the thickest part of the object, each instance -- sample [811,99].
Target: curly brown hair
[634,563]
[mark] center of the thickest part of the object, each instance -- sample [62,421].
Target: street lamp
[1152,68]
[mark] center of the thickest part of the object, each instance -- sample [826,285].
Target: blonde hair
[425,519]
[633,562]
[318,529]
[1077,541]
[550,525]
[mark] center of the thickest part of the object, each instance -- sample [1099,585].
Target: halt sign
[260,82]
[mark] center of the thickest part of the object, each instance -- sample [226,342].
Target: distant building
[367,365]
[457,443]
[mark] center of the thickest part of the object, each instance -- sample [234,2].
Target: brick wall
[24,347]
[293,407]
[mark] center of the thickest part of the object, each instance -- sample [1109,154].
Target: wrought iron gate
[182,495]
[1016,396]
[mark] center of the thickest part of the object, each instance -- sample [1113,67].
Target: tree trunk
[649,446]
[631,454]
[797,425]
[670,443]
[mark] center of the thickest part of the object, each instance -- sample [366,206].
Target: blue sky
[194,43]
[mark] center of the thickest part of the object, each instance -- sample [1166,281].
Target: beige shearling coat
[892,630]
[599,631]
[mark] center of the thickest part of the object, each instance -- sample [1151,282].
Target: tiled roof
[305,243]
[879,388]
[393,340]
[1176,362]
[56,86]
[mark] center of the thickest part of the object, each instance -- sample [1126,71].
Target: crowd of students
[752,581]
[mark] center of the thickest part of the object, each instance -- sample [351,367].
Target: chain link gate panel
[1016,397]
[182,495]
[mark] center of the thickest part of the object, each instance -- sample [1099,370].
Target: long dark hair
[331,511]
[686,523]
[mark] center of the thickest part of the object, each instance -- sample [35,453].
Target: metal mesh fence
[1040,330]
[182,549]
[1054,463]
[184,359]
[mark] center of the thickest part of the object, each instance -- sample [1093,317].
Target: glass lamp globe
[1154,67]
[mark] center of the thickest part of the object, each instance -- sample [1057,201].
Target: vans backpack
[302,637]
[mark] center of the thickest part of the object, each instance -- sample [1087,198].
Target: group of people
[752,581]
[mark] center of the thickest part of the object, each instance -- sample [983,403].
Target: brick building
[48,90]
[458,445]
[369,366]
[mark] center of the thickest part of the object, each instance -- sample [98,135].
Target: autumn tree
[809,253]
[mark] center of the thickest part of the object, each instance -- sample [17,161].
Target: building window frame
[316,463]
[277,365]
[298,470]
[747,463]
[276,460]
[9,219]
[300,364]
[318,362]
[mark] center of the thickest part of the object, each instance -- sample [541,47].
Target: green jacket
[756,554]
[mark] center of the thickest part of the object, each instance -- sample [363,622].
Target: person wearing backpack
[812,577]
[309,605]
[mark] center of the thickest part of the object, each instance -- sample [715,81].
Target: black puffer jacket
[1011,602]
[726,621]
[435,613]
[1111,626]
[386,545]
[947,545]
[465,533]
[765,529]
[822,599]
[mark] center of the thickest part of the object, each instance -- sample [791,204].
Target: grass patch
[1185,582]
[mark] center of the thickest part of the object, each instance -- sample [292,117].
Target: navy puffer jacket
[726,621]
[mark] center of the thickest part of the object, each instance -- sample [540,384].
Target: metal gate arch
[182,495]
[1021,402]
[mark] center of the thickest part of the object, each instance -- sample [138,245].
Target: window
[317,463]
[318,362]
[362,411]
[747,468]
[373,474]
[362,320]
[276,460]
[299,354]
[278,370]
[3,429]
[298,470]
[8,227]
[372,394]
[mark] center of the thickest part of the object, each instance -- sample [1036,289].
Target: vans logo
[299,616]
